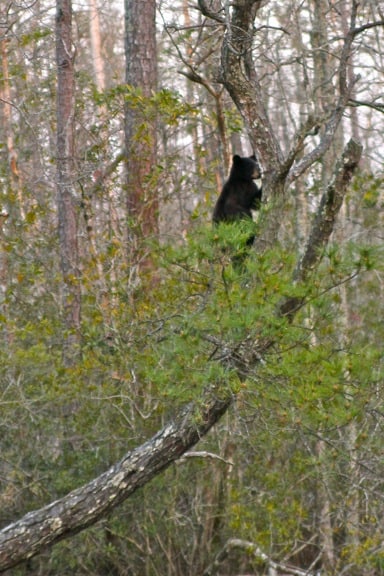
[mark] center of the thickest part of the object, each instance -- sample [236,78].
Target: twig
[251,549]
[204,454]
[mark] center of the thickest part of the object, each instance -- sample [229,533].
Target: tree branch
[84,506]
[324,220]
[203,454]
[311,125]
[328,210]
[367,26]
[379,106]
[210,13]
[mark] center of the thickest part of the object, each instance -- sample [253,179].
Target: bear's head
[245,168]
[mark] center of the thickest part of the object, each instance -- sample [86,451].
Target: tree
[290,477]
[67,213]
[86,505]
[242,82]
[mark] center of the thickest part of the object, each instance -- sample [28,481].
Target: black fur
[240,194]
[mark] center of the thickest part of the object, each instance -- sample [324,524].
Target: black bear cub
[240,194]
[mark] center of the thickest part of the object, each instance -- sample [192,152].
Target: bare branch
[210,13]
[240,79]
[367,26]
[106,172]
[204,454]
[345,91]
[198,79]
[251,549]
[329,208]
[379,106]
[310,126]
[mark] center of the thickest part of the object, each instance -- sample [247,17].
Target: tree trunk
[16,207]
[241,80]
[95,36]
[141,73]
[67,214]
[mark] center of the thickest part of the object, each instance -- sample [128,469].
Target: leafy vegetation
[296,463]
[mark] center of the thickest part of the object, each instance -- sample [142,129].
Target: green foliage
[150,348]
[166,105]
[34,36]
[152,344]
[304,434]
[371,185]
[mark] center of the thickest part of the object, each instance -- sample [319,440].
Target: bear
[240,195]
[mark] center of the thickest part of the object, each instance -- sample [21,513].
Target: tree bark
[241,81]
[141,72]
[67,213]
[240,78]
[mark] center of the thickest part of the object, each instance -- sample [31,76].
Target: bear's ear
[236,158]
[253,157]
